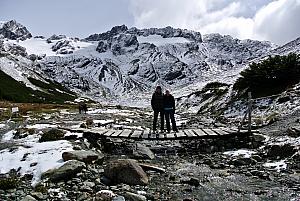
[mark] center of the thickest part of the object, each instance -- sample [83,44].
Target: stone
[191,181]
[134,197]
[65,172]
[118,198]
[81,155]
[143,152]
[28,198]
[105,195]
[39,195]
[126,171]
[243,161]
[258,138]
[281,151]
[52,135]
[294,132]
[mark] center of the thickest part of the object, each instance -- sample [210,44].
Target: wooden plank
[189,133]
[136,134]
[229,130]
[210,132]
[200,133]
[145,134]
[109,133]
[160,136]
[180,134]
[125,133]
[220,132]
[98,131]
[170,136]
[116,133]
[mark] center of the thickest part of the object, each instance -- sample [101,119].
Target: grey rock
[258,137]
[126,171]
[281,151]
[243,161]
[118,198]
[39,195]
[143,152]
[134,197]
[28,198]
[81,155]
[294,131]
[65,172]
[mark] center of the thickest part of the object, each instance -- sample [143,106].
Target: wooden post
[249,111]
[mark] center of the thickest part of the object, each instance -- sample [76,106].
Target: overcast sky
[274,20]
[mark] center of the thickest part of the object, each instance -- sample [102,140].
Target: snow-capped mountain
[124,65]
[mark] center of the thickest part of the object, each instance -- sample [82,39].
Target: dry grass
[24,108]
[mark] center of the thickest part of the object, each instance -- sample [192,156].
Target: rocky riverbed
[41,160]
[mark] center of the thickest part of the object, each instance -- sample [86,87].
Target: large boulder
[84,156]
[126,171]
[65,172]
[52,135]
[142,152]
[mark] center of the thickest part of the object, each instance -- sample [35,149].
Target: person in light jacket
[169,111]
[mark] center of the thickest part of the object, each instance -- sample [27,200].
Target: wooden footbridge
[199,133]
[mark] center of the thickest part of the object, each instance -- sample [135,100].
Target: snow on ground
[160,41]
[241,152]
[41,126]
[33,157]
[2,126]
[111,111]
[79,135]
[278,166]
[106,121]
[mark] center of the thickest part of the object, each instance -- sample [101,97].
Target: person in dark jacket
[157,104]
[169,110]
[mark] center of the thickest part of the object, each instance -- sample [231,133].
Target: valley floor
[264,167]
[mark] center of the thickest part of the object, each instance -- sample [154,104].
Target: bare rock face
[14,31]
[84,156]
[15,49]
[126,171]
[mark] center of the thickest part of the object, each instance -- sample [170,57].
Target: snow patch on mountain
[158,40]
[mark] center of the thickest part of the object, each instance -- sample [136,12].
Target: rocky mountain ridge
[130,62]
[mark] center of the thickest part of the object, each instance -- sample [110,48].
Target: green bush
[271,76]
[8,183]
[12,90]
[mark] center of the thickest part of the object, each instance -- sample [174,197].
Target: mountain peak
[14,30]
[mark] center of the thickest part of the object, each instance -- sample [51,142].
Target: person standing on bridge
[157,104]
[169,110]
